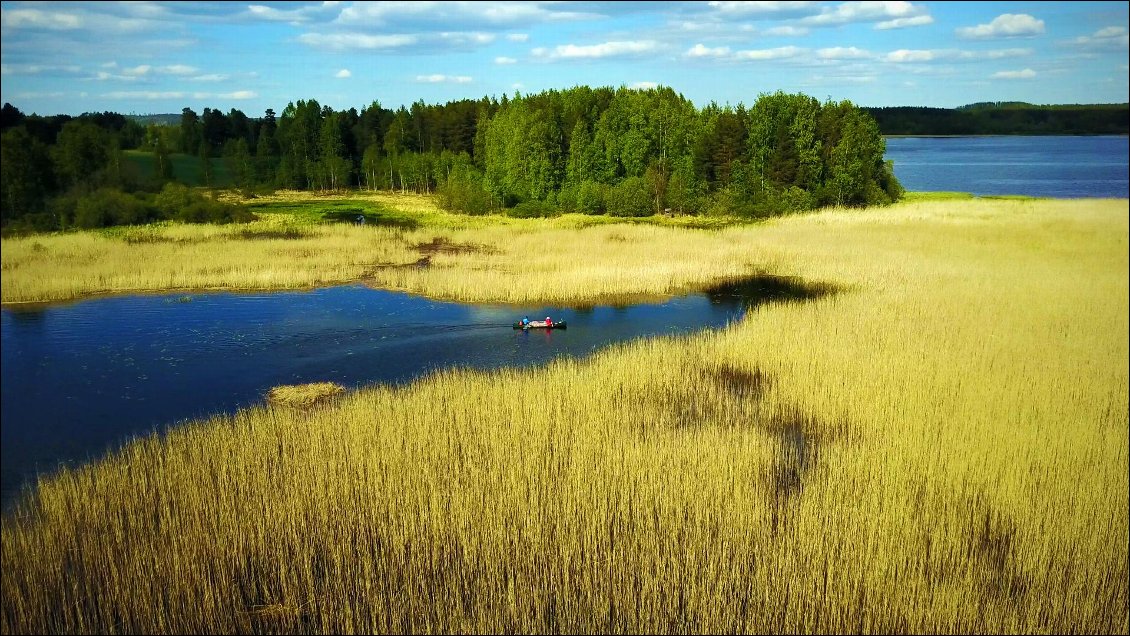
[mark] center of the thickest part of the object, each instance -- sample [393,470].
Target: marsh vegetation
[943,448]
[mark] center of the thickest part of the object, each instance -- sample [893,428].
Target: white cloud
[502,59]
[909,56]
[474,38]
[902,23]
[238,95]
[35,69]
[178,69]
[294,16]
[644,85]
[36,19]
[137,70]
[905,56]
[778,53]
[886,15]
[786,31]
[439,79]
[735,8]
[1025,74]
[340,41]
[597,51]
[1006,25]
[343,73]
[210,77]
[442,16]
[843,53]
[1110,32]
[699,50]
[1107,38]
[518,37]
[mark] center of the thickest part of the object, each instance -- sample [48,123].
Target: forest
[1005,118]
[611,151]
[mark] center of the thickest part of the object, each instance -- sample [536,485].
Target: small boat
[540,324]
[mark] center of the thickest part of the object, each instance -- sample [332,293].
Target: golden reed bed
[941,448]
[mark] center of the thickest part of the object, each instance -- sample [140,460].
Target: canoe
[539,324]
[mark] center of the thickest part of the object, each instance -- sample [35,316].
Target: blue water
[81,378]
[1041,166]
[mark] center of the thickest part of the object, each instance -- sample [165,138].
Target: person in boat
[548,322]
[525,321]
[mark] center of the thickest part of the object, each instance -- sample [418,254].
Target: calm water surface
[81,378]
[1042,166]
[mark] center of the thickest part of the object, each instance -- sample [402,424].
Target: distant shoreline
[1012,135]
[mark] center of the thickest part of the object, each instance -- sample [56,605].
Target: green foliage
[533,210]
[619,151]
[462,192]
[105,207]
[26,174]
[631,197]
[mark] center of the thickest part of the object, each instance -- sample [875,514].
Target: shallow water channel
[80,378]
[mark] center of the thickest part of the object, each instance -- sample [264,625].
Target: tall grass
[942,449]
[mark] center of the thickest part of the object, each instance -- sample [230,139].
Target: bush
[592,197]
[463,194]
[105,207]
[173,198]
[532,210]
[632,197]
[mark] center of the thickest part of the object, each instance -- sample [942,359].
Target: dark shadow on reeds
[286,233]
[751,291]
[359,216]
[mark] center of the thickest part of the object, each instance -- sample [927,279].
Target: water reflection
[83,377]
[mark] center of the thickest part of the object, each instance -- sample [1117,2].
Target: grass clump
[304,396]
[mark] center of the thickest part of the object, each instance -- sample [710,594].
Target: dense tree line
[1005,118]
[594,150]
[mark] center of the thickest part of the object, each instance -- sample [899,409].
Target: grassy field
[941,447]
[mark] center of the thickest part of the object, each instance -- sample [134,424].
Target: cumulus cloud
[644,85]
[300,15]
[1114,37]
[902,23]
[779,53]
[210,77]
[343,73]
[768,10]
[1006,25]
[440,79]
[596,51]
[886,15]
[444,16]
[343,41]
[37,19]
[843,53]
[502,59]
[36,69]
[178,69]
[1025,74]
[903,56]
[699,50]
[518,37]
[786,31]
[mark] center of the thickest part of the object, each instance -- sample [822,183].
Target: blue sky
[159,57]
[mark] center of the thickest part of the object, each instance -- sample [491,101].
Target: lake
[80,378]
[1039,166]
